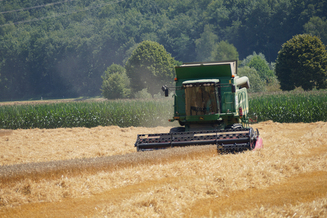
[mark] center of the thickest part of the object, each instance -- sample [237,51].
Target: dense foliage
[149,66]
[256,82]
[224,51]
[260,73]
[302,61]
[55,48]
[283,107]
[262,68]
[317,27]
[115,83]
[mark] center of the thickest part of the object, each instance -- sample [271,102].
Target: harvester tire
[177,129]
[253,138]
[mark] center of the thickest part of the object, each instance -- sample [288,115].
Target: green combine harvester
[211,105]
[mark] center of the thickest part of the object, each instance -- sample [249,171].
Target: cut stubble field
[96,172]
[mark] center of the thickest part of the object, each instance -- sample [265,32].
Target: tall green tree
[302,61]
[66,53]
[150,66]
[115,82]
[256,83]
[262,68]
[205,44]
[246,61]
[318,27]
[224,51]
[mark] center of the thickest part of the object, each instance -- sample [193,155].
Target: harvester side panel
[228,102]
[242,100]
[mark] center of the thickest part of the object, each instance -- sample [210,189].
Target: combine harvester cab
[211,105]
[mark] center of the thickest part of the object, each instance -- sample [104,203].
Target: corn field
[290,107]
[87,114]
[287,107]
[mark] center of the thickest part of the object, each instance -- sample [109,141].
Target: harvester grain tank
[211,105]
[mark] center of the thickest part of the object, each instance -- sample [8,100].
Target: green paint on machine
[210,100]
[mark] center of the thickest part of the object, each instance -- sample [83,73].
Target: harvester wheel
[253,138]
[181,123]
[177,129]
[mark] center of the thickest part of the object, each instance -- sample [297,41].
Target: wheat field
[96,172]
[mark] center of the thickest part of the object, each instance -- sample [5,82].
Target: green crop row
[87,114]
[290,107]
[281,107]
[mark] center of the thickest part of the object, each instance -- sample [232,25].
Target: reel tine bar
[226,140]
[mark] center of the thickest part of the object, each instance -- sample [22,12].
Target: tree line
[63,49]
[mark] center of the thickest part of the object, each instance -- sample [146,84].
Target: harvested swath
[55,169]
[305,186]
[316,208]
[43,145]
[170,189]
[43,101]
[5,132]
